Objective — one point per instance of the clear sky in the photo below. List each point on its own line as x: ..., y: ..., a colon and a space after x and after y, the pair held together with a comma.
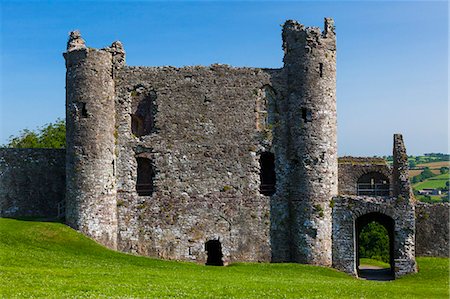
x: 391, y: 68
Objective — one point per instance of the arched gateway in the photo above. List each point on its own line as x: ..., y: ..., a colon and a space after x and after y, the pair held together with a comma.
x: 388, y: 223
x: 352, y: 213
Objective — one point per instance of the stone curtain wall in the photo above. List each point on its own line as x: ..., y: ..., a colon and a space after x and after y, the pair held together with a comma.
x: 210, y: 126
x: 432, y: 229
x: 350, y: 169
x: 32, y: 182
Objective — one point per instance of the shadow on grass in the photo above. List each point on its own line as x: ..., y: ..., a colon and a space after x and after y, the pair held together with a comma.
x: 37, y: 219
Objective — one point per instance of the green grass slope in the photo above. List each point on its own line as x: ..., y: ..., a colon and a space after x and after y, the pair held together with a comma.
x: 49, y: 260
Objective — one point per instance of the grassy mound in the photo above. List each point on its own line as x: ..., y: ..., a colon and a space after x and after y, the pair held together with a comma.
x: 50, y: 260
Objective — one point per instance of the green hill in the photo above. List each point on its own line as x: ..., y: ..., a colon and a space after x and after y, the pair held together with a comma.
x: 50, y: 260
x: 433, y: 182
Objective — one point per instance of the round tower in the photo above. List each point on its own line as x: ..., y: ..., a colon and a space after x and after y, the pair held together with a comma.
x: 90, y: 142
x: 310, y: 70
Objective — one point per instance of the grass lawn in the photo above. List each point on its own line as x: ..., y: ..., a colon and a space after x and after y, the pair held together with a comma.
x: 49, y: 260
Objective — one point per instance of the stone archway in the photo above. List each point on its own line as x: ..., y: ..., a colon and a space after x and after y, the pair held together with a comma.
x: 389, y: 224
x: 351, y: 213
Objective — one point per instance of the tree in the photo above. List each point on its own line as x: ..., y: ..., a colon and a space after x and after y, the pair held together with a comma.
x: 443, y: 170
x: 374, y: 242
x: 412, y: 164
x: 52, y: 135
x: 426, y: 173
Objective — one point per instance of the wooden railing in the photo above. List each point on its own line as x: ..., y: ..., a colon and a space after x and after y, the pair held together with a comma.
x: 373, y: 189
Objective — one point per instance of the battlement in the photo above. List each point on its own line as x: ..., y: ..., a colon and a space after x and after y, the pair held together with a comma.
x: 329, y: 29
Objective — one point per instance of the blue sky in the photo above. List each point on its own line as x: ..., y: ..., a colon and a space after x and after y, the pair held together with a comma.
x: 391, y: 69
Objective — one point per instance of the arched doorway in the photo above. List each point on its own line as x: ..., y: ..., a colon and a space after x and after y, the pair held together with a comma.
x: 214, y: 251
x: 373, y: 232
x: 373, y: 184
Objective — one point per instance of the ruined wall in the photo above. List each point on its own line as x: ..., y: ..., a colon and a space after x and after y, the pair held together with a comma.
x: 432, y: 229
x: 353, y: 168
x: 396, y: 213
x: 208, y: 128
x: 32, y: 182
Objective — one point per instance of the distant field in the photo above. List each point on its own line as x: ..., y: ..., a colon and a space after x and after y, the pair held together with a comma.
x: 434, y: 182
x: 414, y: 172
x: 434, y: 165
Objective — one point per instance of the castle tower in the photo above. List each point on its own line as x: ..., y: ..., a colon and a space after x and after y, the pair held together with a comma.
x: 90, y: 145
x: 310, y: 70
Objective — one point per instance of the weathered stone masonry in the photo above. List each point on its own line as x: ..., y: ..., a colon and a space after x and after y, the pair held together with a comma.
x: 395, y: 211
x: 218, y: 164
x: 203, y: 132
x: 32, y: 182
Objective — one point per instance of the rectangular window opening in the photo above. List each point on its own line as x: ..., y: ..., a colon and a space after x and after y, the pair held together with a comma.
x: 83, y: 110
x: 306, y: 114
x: 145, y: 177
x: 267, y: 174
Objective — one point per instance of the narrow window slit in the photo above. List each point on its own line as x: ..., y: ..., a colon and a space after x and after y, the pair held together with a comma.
x: 83, y: 110
x: 321, y: 69
x: 306, y: 114
x: 267, y: 174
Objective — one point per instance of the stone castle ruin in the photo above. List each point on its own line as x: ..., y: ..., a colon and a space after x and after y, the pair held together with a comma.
x: 218, y: 164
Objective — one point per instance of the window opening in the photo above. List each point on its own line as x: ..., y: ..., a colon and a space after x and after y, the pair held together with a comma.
x: 306, y: 114
x: 373, y: 184
x: 267, y: 174
x: 145, y: 177
x: 82, y: 109
x: 143, y: 119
